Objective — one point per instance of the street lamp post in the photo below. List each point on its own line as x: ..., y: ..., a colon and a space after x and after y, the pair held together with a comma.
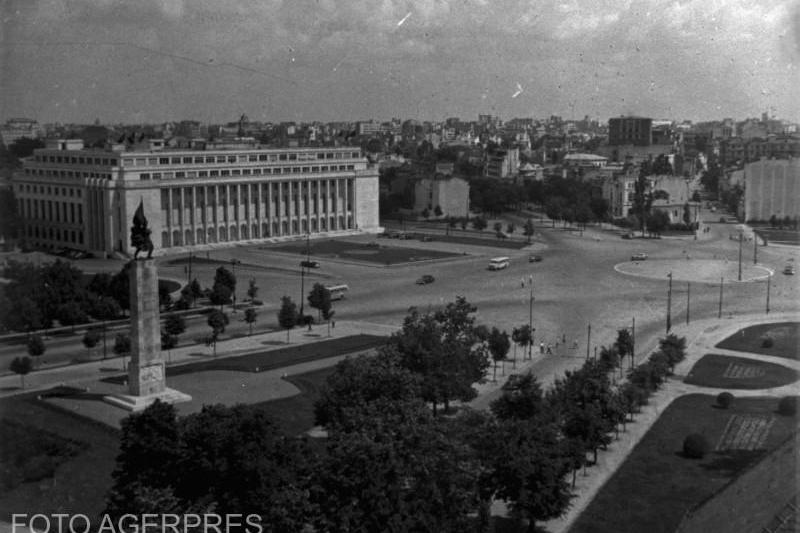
x: 741, y: 236
x: 688, y: 300
x: 234, y: 262
x: 719, y: 314
x: 755, y: 248
x: 303, y: 266
x: 669, y: 303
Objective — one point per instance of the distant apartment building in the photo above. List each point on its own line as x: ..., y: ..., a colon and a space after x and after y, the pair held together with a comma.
x: 630, y: 130
x: 671, y: 194
x: 738, y: 150
x: 85, y: 199
x: 450, y: 194
x: 17, y: 128
x: 772, y: 187
x: 502, y: 163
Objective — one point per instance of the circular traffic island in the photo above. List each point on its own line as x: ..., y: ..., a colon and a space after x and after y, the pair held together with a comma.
x: 727, y: 372
x: 695, y: 270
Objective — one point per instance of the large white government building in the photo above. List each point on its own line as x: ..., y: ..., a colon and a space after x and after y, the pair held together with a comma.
x: 85, y: 199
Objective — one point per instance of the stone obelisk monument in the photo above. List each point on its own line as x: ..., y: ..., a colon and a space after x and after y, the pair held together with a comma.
x: 146, y: 372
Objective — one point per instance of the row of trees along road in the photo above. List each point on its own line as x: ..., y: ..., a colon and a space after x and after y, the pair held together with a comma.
x: 415, y: 471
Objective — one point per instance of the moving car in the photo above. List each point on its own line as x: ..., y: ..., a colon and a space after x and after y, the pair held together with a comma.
x: 534, y: 258
x: 788, y: 270
x: 426, y: 279
x: 641, y: 256
x: 309, y: 264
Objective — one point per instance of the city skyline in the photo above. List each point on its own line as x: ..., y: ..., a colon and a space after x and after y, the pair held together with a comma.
x: 155, y: 61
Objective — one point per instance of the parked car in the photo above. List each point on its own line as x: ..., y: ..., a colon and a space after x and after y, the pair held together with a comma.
x: 534, y: 258
x: 641, y: 256
x: 309, y: 264
x: 627, y: 235
x: 788, y: 270
x: 426, y: 279
x: 405, y: 236
x: 373, y: 244
x: 426, y: 238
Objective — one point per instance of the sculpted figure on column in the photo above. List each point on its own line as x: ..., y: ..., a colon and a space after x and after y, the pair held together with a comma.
x: 140, y: 233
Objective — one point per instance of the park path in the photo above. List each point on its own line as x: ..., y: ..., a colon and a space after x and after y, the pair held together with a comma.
x: 701, y: 337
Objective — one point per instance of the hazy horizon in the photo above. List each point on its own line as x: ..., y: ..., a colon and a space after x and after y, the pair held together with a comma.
x: 160, y: 60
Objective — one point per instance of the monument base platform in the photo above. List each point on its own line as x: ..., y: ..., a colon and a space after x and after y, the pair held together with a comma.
x: 139, y: 403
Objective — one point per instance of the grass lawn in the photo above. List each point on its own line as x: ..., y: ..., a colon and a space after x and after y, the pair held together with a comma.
x: 276, y: 358
x: 79, y: 482
x: 656, y: 485
x: 726, y: 372
x: 785, y: 340
x: 362, y: 252
x: 295, y: 415
x: 489, y: 240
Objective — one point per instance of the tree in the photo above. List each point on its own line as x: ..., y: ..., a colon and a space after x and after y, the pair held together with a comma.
x: 524, y: 336
x: 609, y: 357
x: 527, y: 468
x: 319, y: 298
x: 91, y: 338
x: 624, y: 343
x: 71, y: 313
x: 410, y: 475
x: 498, y: 227
x: 657, y: 222
x: 250, y: 317
x: 168, y: 342
x: 437, y: 210
x: 175, y: 324
x: 498, y: 347
x: 36, y: 347
x: 24, y: 315
x: 327, y: 316
x: 122, y: 346
x: 217, y: 320
x: 105, y: 308
x: 21, y: 366
x: 252, y: 289
x: 522, y: 399
x: 675, y: 349
x: 443, y: 348
x: 287, y: 315
x: 224, y: 287
x: 687, y: 214
x: 359, y: 381
x: 510, y: 228
x: 528, y: 229
x: 463, y: 223
x: 479, y: 223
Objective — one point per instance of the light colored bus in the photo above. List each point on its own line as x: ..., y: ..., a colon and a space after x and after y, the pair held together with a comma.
x: 498, y: 263
x: 337, y: 291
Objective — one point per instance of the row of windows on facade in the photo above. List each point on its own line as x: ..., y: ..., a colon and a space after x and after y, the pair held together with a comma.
x: 72, y: 236
x: 246, y: 232
x: 218, y: 216
x: 243, y: 172
x: 33, y: 209
x: 194, y: 160
x: 46, y: 172
x: 210, y: 195
x: 42, y: 189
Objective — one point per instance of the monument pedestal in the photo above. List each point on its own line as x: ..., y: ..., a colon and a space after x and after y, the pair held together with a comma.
x: 146, y: 373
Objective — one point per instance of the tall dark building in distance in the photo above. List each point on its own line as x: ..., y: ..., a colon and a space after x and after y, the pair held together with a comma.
x: 630, y: 130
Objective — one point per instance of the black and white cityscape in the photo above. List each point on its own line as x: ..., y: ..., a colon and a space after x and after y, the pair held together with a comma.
x: 399, y: 266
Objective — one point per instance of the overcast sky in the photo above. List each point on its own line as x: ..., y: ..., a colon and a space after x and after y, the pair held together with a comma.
x: 211, y: 60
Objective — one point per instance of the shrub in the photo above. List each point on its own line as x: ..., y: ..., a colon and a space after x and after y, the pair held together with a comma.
x: 788, y: 405
x: 695, y: 446
x: 766, y: 342
x: 724, y: 399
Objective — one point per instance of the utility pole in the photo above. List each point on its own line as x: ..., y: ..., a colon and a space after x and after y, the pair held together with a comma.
x: 530, y: 317
x: 755, y: 248
x: 688, y: 299
x: 189, y: 279
x: 633, y: 341
x: 769, y: 279
x: 740, y: 255
x: 669, y: 303
x: 588, y: 340
x: 719, y: 315
x: 234, y: 262
x: 303, y: 275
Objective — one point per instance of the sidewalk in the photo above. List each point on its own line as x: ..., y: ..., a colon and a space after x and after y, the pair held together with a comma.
x: 92, y: 371
x: 701, y: 336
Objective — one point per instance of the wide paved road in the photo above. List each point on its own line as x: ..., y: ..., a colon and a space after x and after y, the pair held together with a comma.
x: 574, y: 286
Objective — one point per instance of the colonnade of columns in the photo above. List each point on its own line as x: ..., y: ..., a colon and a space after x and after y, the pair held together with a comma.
x: 228, y: 212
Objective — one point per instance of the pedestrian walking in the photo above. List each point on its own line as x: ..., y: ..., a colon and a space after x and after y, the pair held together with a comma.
x: 541, y: 347
x: 564, y: 338
x: 575, y: 344
x: 549, y: 349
